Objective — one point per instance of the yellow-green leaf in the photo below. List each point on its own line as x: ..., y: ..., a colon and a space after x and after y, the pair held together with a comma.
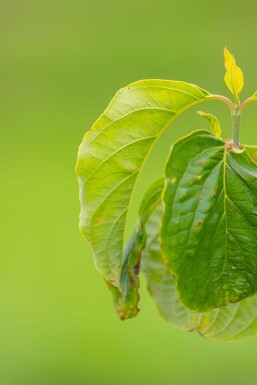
x: 215, y: 124
x: 110, y: 159
x: 234, y: 77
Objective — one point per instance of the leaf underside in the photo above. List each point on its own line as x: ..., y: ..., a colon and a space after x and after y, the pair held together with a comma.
x: 110, y: 158
x: 209, y: 229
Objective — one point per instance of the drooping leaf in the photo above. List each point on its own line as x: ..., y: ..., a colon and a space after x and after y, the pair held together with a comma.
x: 160, y: 281
x: 112, y: 155
x: 127, y: 303
x: 215, y: 124
x: 209, y: 230
x: 231, y: 323
x: 234, y: 78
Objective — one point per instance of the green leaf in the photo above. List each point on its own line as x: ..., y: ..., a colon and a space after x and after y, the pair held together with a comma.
x: 215, y: 124
x: 234, y: 322
x: 161, y: 282
x: 234, y: 77
x: 127, y: 303
x: 209, y: 230
x: 112, y: 155
x: 231, y: 323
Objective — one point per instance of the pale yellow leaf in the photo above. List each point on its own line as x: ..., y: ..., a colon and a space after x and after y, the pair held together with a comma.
x: 234, y: 77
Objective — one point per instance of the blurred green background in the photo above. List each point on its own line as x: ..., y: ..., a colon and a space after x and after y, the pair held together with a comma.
x: 61, y: 61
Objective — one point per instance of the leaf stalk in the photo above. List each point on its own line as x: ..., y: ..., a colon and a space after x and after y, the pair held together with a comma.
x: 247, y: 101
x: 235, y: 110
x: 224, y: 99
x: 236, y: 119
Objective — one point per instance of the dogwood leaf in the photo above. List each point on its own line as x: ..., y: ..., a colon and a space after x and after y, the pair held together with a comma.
x: 230, y: 323
x: 209, y: 230
x: 111, y: 157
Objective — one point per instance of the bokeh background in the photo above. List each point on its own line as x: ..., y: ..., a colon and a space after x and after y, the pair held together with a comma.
x: 61, y: 61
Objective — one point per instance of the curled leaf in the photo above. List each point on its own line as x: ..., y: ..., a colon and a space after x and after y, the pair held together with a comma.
x: 215, y: 124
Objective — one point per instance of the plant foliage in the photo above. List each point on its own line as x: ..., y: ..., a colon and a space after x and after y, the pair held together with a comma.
x: 196, y: 237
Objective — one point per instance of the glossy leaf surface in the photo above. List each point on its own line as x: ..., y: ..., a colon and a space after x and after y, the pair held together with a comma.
x: 231, y: 323
x: 209, y: 230
x: 112, y: 155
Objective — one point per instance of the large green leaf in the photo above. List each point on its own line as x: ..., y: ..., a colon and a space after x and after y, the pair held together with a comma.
x: 209, y: 230
x: 110, y: 158
x: 231, y: 323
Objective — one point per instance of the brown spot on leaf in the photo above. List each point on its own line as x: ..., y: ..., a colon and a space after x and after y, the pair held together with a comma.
x: 201, y: 161
x: 137, y: 267
x: 98, y: 219
x: 133, y: 283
